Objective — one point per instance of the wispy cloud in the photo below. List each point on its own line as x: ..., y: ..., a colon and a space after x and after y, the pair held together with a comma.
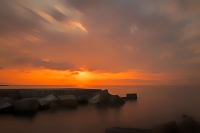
x: 105, y: 36
x: 43, y: 63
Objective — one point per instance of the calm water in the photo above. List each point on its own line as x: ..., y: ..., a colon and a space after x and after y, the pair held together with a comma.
x: 154, y: 106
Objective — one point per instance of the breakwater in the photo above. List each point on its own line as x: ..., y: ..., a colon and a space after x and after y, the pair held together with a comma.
x: 34, y: 93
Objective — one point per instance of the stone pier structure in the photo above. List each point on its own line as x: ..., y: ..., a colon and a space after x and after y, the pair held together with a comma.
x: 36, y: 93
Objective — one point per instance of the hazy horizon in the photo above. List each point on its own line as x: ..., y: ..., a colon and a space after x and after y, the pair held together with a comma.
x: 87, y: 42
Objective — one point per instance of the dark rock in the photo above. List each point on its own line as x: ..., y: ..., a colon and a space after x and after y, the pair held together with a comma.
x: 6, y: 104
x: 86, y: 98
x: 83, y: 99
x: 189, y: 125
x: 100, y: 98
x: 126, y: 130
x: 170, y: 127
x: 6, y: 107
x: 26, y: 105
x: 67, y: 100
x: 115, y: 99
x: 131, y: 96
x: 105, y: 94
x: 80, y: 99
x: 97, y: 99
x: 6, y: 100
x: 46, y: 101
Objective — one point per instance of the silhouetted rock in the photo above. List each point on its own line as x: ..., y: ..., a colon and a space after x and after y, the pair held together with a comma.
x: 100, y: 98
x: 83, y: 99
x: 6, y: 104
x: 126, y: 130
x: 189, y: 125
x: 6, y: 100
x: 170, y: 127
x: 46, y: 101
x: 6, y: 107
x: 26, y: 105
x: 67, y: 100
x: 97, y: 99
x: 106, y: 95
x: 131, y: 96
x: 115, y: 99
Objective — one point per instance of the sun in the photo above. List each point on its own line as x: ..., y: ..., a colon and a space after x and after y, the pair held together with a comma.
x: 83, y: 76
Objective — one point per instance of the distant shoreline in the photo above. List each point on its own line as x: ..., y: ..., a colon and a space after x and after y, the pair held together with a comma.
x: 4, y: 85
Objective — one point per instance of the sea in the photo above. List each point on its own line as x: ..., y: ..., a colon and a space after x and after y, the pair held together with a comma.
x: 155, y: 105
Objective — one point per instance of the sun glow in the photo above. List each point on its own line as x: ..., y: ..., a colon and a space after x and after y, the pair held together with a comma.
x: 83, y: 76
x: 80, y: 77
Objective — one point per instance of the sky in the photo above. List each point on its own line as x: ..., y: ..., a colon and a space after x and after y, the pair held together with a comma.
x: 100, y: 42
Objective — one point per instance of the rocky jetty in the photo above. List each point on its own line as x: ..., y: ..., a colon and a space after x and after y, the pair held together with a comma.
x: 54, y: 99
x: 33, y: 93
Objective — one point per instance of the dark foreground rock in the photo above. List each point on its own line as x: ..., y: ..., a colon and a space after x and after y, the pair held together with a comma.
x: 6, y: 104
x: 126, y: 130
x: 189, y: 125
x: 67, y: 100
x: 46, y: 101
x: 170, y: 127
x: 184, y: 116
x: 26, y: 105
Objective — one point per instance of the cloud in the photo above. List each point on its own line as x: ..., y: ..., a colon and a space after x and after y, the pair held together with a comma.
x: 194, y: 60
x: 15, y: 22
x: 1, y: 68
x: 34, y: 62
x: 57, y: 15
x: 114, y: 36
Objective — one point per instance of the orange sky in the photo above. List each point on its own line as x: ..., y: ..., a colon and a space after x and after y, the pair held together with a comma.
x: 75, y: 42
